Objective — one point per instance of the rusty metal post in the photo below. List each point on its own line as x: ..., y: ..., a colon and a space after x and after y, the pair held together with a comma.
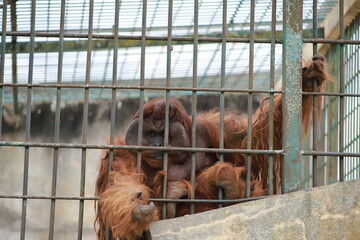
x: 292, y: 53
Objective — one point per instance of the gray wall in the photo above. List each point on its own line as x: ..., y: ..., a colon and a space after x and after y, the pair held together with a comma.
x: 323, y: 213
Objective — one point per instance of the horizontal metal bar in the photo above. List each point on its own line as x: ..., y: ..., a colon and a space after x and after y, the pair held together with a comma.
x: 86, y: 86
x: 330, y: 41
x: 186, y: 27
x: 335, y: 154
x: 128, y: 37
x: 130, y: 147
x: 208, y: 200
x: 47, y: 197
x: 332, y: 94
x: 26, y: 85
x: 38, y: 197
x: 185, y: 39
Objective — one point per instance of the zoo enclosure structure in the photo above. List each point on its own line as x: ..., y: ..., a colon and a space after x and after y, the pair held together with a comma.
x: 86, y: 50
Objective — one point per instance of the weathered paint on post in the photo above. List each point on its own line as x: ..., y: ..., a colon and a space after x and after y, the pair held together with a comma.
x: 292, y: 54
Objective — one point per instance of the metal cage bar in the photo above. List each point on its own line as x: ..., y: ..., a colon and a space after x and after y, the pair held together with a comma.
x: 182, y: 39
x: 167, y: 105
x: 341, y: 81
x: 126, y: 87
x: 129, y: 147
x: 142, y: 81
x: 85, y: 119
x: 351, y: 85
x: 250, y: 97
x: 14, y: 55
x: 165, y: 200
x: 271, y: 97
x: 28, y: 119
x: 315, y: 103
x: 113, y: 96
x: 57, y: 120
x: 2, y: 60
x: 194, y: 102
x: 292, y: 53
x: 222, y: 85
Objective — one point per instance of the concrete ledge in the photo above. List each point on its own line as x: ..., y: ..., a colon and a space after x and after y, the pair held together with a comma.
x: 329, y: 212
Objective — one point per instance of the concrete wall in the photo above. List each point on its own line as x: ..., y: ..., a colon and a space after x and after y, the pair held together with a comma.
x: 331, y: 23
x: 323, y: 213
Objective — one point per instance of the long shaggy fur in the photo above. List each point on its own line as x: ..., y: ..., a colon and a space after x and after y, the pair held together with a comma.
x: 225, y: 176
x: 235, y: 127
x: 118, y: 189
x: 119, y: 202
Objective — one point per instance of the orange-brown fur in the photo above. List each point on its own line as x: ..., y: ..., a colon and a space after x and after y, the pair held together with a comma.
x: 235, y: 127
x: 118, y: 202
x: 225, y: 176
x: 118, y: 188
x: 115, y: 189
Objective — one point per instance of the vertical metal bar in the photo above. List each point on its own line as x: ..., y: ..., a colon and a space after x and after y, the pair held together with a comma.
x: 350, y: 108
x: 315, y: 103
x: 47, y: 53
x: 333, y: 126
x: 292, y: 53
x: 356, y: 100
x: 114, y: 79
x: 326, y: 139
x: 250, y: 97
x: 351, y: 82
x: 194, y: 101
x: 113, y: 95
x: 222, y: 85
x: 168, y: 78
x: 2, y: 58
x: 28, y: 118
x: 346, y: 113
x: 142, y: 80
x: 330, y: 162
x: 353, y: 109
x: 342, y: 102
x: 14, y: 55
x: 85, y: 119
x: 353, y: 100
x: 57, y: 119
x: 348, y: 61
x: 271, y: 112
x: 223, y: 75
